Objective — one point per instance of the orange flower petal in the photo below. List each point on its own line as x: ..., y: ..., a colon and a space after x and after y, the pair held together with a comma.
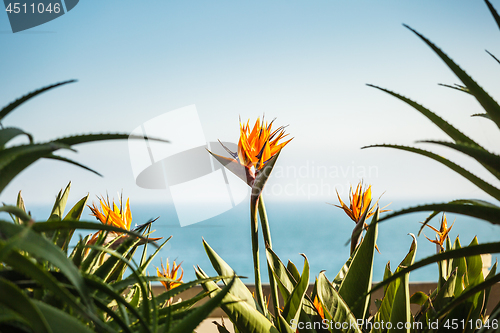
x: 258, y: 145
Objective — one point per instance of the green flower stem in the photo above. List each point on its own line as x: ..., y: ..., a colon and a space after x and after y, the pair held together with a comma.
x: 267, y: 240
x: 255, y: 249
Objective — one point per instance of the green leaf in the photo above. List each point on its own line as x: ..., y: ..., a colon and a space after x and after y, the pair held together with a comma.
x: 67, y: 160
x: 311, y: 318
x: 42, y: 248
x: 220, y: 328
x: 474, y: 266
x: 449, y: 129
x: 59, y: 321
x: 9, y: 108
x: 146, y: 303
x: 456, y: 253
x: 105, y: 289
x: 419, y: 298
x: 15, y: 299
x: 487, y: 102
x: 485, y: 186
x: 105, y: 270
x: 400, y: 309
x: 21, y: 206
x: 242, y: 315
x: 490, y: 160
x: 493, y: 12
x: 387, y: 273
x: 494, y: 315
x: 58, y: 211
x: 114, y: 318
x: 490, y: 275
x: 283, y: 325
x: 17, y: 153
x: 85, y: 225
x: 60, y: 204
x: 91, y: 255
x: 16, y: 159
x: 294, y: 303
x: 136, y: 298
x: 121, y: 285
x: 78, y: 252
x: 286, y: 281
x: 385, y: 309
x: 342, y: 273
x: 473, y: 202
x: 182, y: 305
x: 235, y: 167
x: 262, y: 175
x: 446, y: 292
x: 358, y: 279
x: 25, y: 266
x: 468, y: 293
x: 65, y: 235
x: 121, y: 267
x: 460, y: 264
x: 266, y: 233
x: 222, y: 268
x: 6, y: 248
x: 9, y: 316
x: 336, y: 308
x: 9, y: 133
x: 18, y: 212
x: 483, y: 115
x: 487, y: 213
x: 456, y: 87
x: 93, y: 137
x: 290, y: 266
x: 143, y: 266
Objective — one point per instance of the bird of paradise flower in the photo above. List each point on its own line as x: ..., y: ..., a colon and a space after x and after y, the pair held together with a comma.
x: 258, y: 149
x: 359, y: 210
x: 111, y: 214
x: 172, y: 275
x: 442, y: 233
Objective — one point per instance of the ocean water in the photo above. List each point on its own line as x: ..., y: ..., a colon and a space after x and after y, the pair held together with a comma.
x: 316, y: 229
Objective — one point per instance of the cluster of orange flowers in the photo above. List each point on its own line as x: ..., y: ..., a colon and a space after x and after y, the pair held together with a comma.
x: 170, y: 273
x: 256, y: 146
x: 359, y: 206
x: 259, y: 145
x: 121, y: 217
x: 111, y: 214
x: 442, y: 233
x: 359, y: 203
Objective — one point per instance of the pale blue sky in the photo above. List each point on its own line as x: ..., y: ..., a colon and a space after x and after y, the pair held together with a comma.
x: 305, y: 63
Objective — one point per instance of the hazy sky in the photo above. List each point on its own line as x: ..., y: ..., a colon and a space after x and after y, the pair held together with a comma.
x: 304, y: 62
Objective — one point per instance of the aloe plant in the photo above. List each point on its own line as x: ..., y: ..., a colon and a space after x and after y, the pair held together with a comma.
x: 45, y: 290
x: 14, y: 159
x: 99, y: 286
x: 453, y: 283
x: 460, y: 142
